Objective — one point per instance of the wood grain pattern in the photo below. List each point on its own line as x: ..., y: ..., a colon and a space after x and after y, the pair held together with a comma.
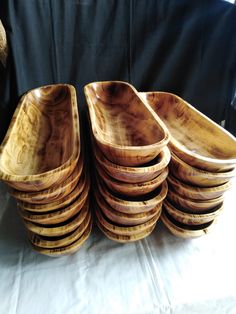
x: 126, y: 129
x: 134, y: 205
x: 42, y: 145
x: 191, y: 175
x: 194, y: 137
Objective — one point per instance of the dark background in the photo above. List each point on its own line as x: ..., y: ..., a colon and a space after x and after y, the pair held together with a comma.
x: 186, y: 47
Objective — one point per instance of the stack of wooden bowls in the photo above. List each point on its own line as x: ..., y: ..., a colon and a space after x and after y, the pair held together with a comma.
x: 203, y: 160
x: 131, y: 158
x: 42, y: 162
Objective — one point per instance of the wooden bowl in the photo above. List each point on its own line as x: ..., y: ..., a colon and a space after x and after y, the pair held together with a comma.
x: 131, y: 189
x: 123, y: 218
x: 191, y: 205
x: 126, y: 129
x: 191, y: 175
x: 136, y: 174
x: 197, y: 193
x: 62, y: 228
x: 56, y: 193
x: 66, y: 250
x: 60, y: 215
x: 42, y: 145
x: 183, y: 230
x: 194, y: 137
x: 180, y: 215
x: 68, y: 199
x: 60, y: 241
x: 134, y: 205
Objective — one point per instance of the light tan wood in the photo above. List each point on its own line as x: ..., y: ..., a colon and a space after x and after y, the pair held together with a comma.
x: 60, y: 241
x: 60, y: 215
x: 42, y: 145
x: 186, y: 231
x: 191, y: 175
x: 197, y: 193
x: 124, y: 230
x: 134, y: 205
x: 57, y: 204
x: 186, y: 218
x: 62, y: 228
x: 126, y: 129
x: 123, y: 218
x: 66, y: 250
x: 191, y: 205
x: 136, y: 174
x: 56, y: 193
x: 131, y: 189
x: 194, y: 137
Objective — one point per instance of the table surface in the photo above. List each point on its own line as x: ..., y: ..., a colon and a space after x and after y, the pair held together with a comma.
x: 160, y: 274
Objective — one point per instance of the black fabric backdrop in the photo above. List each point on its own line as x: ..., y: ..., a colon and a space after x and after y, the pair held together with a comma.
x: 186, y: 47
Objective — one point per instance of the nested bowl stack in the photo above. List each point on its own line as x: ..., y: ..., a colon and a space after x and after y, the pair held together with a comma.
x: 131, y: 158
x: 41, y: 161
x: 203, y: 160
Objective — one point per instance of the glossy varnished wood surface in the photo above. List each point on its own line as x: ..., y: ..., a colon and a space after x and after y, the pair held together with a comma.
x: 127, y: 132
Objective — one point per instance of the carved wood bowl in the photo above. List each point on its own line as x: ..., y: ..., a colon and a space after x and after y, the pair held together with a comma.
x: 131, y: 189
x: 42, y: 145
x: 180, y: 215
x: 134, y: 205
x: 195, y: 192
x: 55, y: 193
x: 185, y: 231
x: 191, y: 205
x: 195, y: 176
x: 194, y: 137
x: 121, y: 218
x: 125, y: 128
x: 136, y: 174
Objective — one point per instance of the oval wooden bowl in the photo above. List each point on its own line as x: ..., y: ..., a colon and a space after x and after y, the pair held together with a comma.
x: 60, y: 215
x: 134, y: 205
x: 42, y: 145
x: 124, y: 230
x: 57, y: 204
x: 62, y: 228
x: 180, y: 215
x: 191, y: 175
x: 191, y: 205
x: 124, y: 238
x: 136, y: 174
x: 197, y: 193
x: 185, y: 231
x: 60, y: 241
x: 126, y: 129
x: 132, y: 189
x: 66, y: 250
x: 123, y: 218
x: 56, y: 193
x: 189, y: 130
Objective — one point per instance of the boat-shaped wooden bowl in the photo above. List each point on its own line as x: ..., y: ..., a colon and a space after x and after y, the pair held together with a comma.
x: 125, y: 128
x: 138, y: 174
x: 123, y: 218
x: 56, y: 193
x: 194, y: 176
x: 62, y: 228
x: 191, y: 205
x: 195, y: 138
x: 195, y: 192
x: 134, y: 205
x: 185, y: 231
x: 42, y: 145
x: 68, y: 249
x: 131, y: 189
x: 180, y: 215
